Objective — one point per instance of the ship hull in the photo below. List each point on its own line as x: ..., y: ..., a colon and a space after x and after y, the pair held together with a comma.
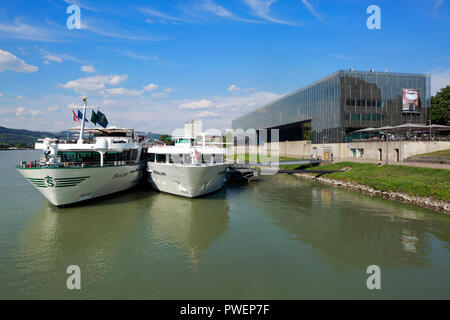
x: 65, y: 186
x: 186, y: 180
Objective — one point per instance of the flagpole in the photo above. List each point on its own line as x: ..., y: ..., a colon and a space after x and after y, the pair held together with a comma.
x: 80, y: 140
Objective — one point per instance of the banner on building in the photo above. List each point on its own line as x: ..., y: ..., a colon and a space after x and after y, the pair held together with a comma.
x: 411, y: 100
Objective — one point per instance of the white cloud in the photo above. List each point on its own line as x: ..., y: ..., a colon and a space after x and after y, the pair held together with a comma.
x: 141, y: 57
x: 93, y: 83
x: 108, y: 32
x: 198, y: 104
x: 169, y: 90
x: 20, y: 111
x: 159, y: 95
x: 89, y: 68
x: 53, y: 108
x: 1, y: 94
x: 261, y: 8
x: 5, y: 111
x: 122, y: 92
x: 159, y: 14
x: 19, y: 30
x: 150, y: 87
x: 208, y: 114
x: 8, y: 61
x: 53, y: 58
x: 313, y: 11
x: 244, y: 103
x: 140, y: 112
x: 440, y: 78
x: 234, y: 88
x: 218, y: 10
x: 80, y: 4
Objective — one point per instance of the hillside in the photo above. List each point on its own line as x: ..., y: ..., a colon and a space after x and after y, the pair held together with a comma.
x: 22, y: 138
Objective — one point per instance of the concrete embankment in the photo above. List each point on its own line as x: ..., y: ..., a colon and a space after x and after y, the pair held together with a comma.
x: 427, y: 202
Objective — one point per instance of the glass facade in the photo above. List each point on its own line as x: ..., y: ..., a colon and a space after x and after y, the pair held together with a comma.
x: 343, y: 102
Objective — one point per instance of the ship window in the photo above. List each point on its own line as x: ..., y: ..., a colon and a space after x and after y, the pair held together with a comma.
x: 161, y: 158
x: 72, y: 156
x: 175, y: 158
x: 112, y: 156
x: 129, y: 155
x: 68, y: 156
x: 151, y: 157
x: 206, y: 158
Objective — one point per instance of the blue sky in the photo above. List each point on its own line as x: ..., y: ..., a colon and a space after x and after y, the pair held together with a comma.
x: 155, y: 64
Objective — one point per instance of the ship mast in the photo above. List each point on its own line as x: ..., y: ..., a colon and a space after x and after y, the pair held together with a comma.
x: 81, y: 138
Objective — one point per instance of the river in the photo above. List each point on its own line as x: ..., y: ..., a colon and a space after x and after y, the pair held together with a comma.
x: 279, y: 238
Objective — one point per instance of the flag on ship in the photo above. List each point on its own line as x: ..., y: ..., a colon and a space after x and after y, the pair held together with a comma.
x: 94, y: 117
x: 80, y: 116
x: 75, y: 117
x: 102, y: 121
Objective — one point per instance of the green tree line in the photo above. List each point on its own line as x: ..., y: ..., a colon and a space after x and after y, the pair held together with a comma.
x: 440, y: 107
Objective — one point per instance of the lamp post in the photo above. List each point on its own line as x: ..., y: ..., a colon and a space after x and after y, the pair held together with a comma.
x: 387, y: 148
x: 429, y: 123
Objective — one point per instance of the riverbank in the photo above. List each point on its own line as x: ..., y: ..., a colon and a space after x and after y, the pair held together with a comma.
x: 426, y: 187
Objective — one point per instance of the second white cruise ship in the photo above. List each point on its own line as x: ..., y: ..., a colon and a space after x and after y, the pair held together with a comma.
x: 186, y: 169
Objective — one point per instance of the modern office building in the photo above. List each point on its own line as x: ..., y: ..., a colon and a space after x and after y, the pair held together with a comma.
x: 329, y: 109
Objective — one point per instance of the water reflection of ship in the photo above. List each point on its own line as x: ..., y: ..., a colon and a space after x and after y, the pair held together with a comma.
x: 75, y: 234
x: 191, y: 225
x: 347, y: 226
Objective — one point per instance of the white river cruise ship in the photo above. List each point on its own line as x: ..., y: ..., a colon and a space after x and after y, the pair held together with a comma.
x: 107, y: 161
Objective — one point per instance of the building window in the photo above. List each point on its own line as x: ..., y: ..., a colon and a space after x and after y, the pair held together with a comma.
x: 161, y: 158
x: 361, y: 152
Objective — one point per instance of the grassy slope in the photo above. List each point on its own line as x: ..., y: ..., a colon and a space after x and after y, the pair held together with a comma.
x: 415, y: 181
x: 442, y: 153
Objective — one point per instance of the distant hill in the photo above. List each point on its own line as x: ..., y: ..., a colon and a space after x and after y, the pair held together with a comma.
x: 22, y: 138
x: 153, y: 135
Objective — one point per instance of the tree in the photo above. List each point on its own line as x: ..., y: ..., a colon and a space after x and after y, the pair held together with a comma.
x: 440, y: 107
x: 166, y: 138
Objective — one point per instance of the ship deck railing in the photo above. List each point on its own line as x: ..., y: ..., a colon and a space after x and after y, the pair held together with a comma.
x: 73, y: 164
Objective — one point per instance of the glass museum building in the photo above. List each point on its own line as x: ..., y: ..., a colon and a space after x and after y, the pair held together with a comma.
x: 330, y: 109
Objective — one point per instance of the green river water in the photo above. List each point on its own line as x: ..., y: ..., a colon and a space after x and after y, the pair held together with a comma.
x: 280, y: 238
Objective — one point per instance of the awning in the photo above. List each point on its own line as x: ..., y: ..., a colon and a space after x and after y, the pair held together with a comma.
x: 407, y: 127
